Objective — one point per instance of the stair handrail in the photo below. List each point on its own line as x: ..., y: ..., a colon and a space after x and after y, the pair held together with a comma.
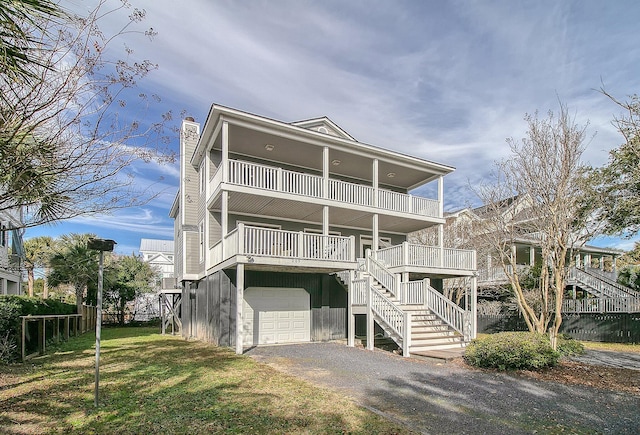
x: 444, y: 308
x: 388, y: 312
x: 389, y: 280
x: 605, y: 279
x: 597, y: 284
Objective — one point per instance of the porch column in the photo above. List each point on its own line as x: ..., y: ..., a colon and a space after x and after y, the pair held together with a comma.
x: 532, y: 255
x: 473, y: 307
x: 440, y: 196
x: 375, y: 182
x: 613, y: 264
x: 325, y: 220
x: 239, y: 302
x: 441, y: 241
x: 224, y: 220
x: 224, y: 161
x: 376, y: 235
x: 602, y: 263
x: 578, y: 260
x: 325, y: 172
x: 587, y: 260
x: 325, y: 227
x: 370, y: 328
x: 351, y: 325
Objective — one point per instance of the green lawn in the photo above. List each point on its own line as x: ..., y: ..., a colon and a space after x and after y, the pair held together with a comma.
x: 161, y: 384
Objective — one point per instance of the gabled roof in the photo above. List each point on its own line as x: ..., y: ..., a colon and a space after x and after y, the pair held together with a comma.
x: 156, y: 245
x: 324, y: 125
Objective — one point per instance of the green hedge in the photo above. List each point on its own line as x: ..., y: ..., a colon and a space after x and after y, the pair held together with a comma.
x: 512, y: 351
x: 11, y: 308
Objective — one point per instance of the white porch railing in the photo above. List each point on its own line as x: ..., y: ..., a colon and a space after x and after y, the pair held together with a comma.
x: 601, y: 305
x: 280, y: 180
x: 359, y: 291
x: 409, y: 254
x: 256, y: 241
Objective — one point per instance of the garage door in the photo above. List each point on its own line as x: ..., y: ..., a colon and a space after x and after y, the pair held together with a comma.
x: 276, y: 315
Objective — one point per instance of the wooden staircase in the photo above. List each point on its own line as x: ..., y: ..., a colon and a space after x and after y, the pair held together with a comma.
x: 428, y: 331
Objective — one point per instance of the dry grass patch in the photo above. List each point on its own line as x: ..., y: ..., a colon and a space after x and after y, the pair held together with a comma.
x: 161, y: 384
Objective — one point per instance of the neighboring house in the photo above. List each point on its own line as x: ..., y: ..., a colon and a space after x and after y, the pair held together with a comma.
x: 591, y: 284
x: 296, y: 232
x: 160, y: 256
x: 11, y: 252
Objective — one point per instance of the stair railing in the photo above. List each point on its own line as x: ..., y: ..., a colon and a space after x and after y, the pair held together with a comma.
x: 389, y: 280
x: 597, y: 284
x: 389, y: 313
x: 609, y: 282
x: 444, y: 308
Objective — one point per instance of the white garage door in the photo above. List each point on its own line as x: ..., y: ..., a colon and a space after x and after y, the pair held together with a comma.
x: 276, y: 315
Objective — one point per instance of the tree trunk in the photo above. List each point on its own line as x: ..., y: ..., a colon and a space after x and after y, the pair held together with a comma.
x: 30, y: 281
x: 45, y: 285
x: 79, y: 300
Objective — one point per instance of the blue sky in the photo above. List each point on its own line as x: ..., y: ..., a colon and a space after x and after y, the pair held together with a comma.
x: 447, y: 81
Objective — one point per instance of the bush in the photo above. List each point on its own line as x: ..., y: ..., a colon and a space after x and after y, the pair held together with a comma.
x: 512, y: 351
x: 12, y: 307
x: 568, y: 346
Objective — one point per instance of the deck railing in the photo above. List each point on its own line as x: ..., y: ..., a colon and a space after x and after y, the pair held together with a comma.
x: 409, y: 254
x: 601, y: 305
x: 257, y: 241
x: 275, y: 179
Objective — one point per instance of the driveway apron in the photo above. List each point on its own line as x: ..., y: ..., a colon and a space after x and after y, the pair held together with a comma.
x: 437, y: 398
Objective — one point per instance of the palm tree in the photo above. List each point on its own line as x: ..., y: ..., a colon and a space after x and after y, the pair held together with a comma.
x: 18, y: 48
x: 37, y: 251
x: 75, y: 264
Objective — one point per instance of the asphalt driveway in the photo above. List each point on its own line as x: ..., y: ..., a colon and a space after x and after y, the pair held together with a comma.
x: 437, y: 398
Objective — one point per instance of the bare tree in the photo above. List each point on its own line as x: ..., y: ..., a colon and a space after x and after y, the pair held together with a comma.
x: 538, y: 194
x: 70, y: 132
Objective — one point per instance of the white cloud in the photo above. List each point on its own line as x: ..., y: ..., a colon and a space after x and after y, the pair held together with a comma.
x: 446, y: 81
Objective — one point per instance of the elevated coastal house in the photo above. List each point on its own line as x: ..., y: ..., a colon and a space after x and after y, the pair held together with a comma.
x: 296, y: 232
x: 11, y: 251
x: 591, y: 284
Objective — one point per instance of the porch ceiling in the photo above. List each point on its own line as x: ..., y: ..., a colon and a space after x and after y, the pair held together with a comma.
x: 269, y: 206
x: 294, y: 152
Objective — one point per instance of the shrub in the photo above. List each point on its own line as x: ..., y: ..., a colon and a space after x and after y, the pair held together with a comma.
x: 512, y: 351
x: 12, y: 307
x: 568, y: 346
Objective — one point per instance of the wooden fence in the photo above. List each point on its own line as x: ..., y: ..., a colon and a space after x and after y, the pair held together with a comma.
x: 53, y: 328
x: 610, y: 327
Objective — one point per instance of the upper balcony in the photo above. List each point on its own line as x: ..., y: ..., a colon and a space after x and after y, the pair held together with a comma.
x: 296, y: 195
